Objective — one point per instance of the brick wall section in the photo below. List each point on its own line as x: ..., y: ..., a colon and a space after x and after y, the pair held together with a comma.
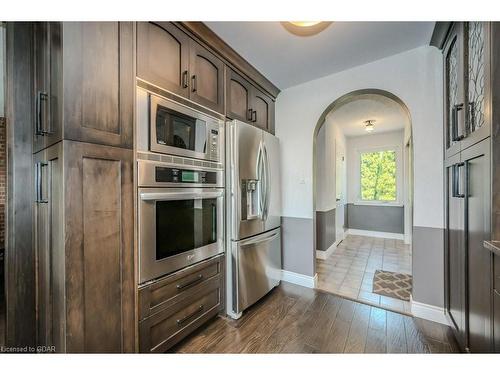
x: 3, y: 180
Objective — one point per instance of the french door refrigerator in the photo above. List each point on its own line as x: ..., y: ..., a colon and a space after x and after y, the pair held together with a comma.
x: 253, y: 216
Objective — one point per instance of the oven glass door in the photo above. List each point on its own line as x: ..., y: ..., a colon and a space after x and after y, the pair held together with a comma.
x: 178, y: 227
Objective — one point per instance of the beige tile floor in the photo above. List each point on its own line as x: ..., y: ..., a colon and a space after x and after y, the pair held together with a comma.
x: 350, y: 268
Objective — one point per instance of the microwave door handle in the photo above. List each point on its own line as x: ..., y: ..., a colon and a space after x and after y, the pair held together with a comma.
x: 179, y: 196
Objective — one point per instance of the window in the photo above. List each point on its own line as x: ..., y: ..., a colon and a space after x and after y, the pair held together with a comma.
x: 378, y: 176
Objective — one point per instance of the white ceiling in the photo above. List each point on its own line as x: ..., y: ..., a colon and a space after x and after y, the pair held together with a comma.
x: 287, y: 60
x: 388, y: 115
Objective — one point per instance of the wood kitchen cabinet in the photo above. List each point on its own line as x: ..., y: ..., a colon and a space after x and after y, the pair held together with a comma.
x: 467, y: 123
x: 467, y: 85
x: 247, y: 103
x: 207, y: 78
x: 163, y: 56
x: 169, y: 59
x: 84, y: 246
x: 456, y: 292
x: 83, y: 83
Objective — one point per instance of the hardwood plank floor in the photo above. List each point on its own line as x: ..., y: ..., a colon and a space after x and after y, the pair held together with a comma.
x: 293, y: 319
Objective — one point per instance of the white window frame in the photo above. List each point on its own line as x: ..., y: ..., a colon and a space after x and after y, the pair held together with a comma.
x: 399, y: 176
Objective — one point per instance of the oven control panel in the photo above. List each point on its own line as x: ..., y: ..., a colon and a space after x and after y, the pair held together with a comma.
x: 185, y: 176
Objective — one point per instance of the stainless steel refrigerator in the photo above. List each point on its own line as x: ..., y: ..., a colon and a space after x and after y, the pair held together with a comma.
x: 253, y: 215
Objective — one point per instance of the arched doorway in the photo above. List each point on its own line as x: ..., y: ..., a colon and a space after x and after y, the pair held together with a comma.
x: 362, y: 197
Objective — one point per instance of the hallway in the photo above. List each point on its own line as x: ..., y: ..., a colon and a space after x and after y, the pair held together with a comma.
x: 350, y: 270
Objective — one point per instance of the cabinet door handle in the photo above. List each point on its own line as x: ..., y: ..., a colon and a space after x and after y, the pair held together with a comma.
x: 38, y: 182
x: 254, y: 116
x: 457, y: 180
x: 185, y: 79
x: 249, y: 115
x: 40, y: 123
x: 190, y: 283
x: 193, y: 83
x: 456, y: 110
x: 189, y: 316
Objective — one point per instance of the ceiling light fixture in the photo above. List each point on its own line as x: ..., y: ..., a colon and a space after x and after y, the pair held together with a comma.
x: 305, y: 28
x: 369, y: 125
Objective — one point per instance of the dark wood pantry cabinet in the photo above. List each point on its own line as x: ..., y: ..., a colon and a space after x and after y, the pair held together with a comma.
x: 469, y: 51
x: 84, y: 244
x: 84, y: 83
x: 83, y: 185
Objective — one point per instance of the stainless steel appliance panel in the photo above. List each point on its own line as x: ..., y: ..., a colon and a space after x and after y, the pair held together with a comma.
x: 146, y: 175
x: 256, y: 268
x: 272, y: 186
x: 186, y: 132
x: 189, y: 215
x: 245, y: 160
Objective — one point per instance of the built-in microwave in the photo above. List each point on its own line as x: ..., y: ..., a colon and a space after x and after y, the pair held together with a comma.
x: 178, y: 130
x: 180, y: 216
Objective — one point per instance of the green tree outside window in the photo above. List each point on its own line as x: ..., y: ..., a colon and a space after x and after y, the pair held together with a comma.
x: 378, y: 176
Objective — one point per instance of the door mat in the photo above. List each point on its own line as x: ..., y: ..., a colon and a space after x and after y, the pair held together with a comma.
x: 392, y: 284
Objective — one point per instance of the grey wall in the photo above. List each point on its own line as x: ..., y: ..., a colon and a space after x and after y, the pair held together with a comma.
x: 428, y: 265
x: 297, y: 244
x: 325, y: 229
x: 375, y: 218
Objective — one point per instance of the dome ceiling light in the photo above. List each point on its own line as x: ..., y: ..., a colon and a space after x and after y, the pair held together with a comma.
x: 369, y: 125
x: 305, y: 28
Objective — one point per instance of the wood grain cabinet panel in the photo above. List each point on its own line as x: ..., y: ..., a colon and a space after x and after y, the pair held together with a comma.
x: 163, y: 56
x: 263, y: 106
x: 207, y: 78
x: 247, y: 103
x: 84, y: 83
x: 238, y: 93
x: 84, y: 231
x: 98, y: 82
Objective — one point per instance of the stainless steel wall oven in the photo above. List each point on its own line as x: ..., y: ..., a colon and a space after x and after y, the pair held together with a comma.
x: 181, y: 216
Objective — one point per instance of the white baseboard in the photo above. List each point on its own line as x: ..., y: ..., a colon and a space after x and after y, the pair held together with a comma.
x: 320, y: 254
x: 369, y: 233
x: 428, y: 312
x: 300, y: 279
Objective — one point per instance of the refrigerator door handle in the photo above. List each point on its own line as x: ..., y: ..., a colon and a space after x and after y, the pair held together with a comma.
x: 259, y: 239
x: 267, y: 179
x: 260, y: 162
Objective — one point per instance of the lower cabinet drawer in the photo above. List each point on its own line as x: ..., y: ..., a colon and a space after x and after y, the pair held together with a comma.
x: 162, y: 330
x: 173, y: 288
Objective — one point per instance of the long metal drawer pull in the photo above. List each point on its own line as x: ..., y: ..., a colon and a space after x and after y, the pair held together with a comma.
x: 190, y: 283
x: 187, y: 317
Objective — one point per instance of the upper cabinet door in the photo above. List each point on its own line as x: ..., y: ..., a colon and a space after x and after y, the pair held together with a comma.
x: 163, y: 56
x: 454, y: 91
x: 476, y: 62
x: 263, y: 111
x: 207, y: 78
x: 238, y: 93
x: 47, y: 128
x: 98, y: 82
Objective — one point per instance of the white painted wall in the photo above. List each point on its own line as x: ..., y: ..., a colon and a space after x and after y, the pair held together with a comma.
x: 415, y: 77
x: 325, y: 151
x: 389, y: 140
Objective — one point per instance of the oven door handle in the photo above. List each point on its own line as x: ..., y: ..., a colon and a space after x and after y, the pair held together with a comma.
x: 179, y: 196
